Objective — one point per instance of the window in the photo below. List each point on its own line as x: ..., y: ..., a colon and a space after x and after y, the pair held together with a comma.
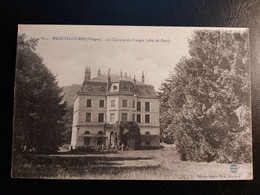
x: 124, y: 117
x: 115, y: 87
x: 101, y: 103
x: 113, y: 103
x: 133, y: 104
x: 124, y: 103
x: 88, y: 103
x: 133, y: 117
x: 88, y: 117
x: 112, y: 117
x: 147, y: 118
x: 101, y: 117
x: 147, y: 106
x: 138, y: 106
x: 138, y: 118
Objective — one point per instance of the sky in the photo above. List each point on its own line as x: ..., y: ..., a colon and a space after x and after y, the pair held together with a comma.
x: 132, y: 49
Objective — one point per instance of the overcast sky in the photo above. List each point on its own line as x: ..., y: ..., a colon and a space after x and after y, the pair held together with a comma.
x: 67, y: 59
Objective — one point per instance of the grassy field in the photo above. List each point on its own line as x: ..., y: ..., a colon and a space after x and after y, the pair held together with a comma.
x: 160, y: 164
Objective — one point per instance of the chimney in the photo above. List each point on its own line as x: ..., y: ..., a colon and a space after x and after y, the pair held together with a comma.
x: 87, y: 74
x: 134, y: 80
x: 143, y: 76
x: 99, y: 72
x: 108, y: 80
x: 108, y: 74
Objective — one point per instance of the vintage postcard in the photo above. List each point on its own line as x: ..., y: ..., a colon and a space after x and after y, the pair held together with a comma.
x: 132, y: 103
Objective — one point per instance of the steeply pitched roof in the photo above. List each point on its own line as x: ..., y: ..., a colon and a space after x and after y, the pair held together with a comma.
x: 114, y: 78
x: 146, y: 91
x: 98, y: 86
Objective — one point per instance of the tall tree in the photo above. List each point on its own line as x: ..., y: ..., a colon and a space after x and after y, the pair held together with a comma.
x: 38, y: 109
x: 208, y: 99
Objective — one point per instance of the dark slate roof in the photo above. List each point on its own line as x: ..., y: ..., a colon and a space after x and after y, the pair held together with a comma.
x: 114, y: 78
x: 93, y: 88
x: 146, y: 91
x: 98, y: 85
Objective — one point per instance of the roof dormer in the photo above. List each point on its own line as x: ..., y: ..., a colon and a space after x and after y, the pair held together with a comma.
x: 114, y: 87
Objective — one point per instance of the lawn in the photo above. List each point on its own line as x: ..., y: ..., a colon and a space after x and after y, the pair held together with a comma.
x: 161, y: 164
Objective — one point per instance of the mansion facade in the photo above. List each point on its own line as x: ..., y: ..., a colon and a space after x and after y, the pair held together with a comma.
x: 104, y: 100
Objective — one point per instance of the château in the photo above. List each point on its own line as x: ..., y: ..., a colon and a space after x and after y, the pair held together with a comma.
x: 106, y: 99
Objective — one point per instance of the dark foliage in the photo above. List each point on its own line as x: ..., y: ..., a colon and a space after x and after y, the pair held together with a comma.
x: 206, y: 101
x: 38, y: 110
x: 130, y: 128
x: 67, y: 120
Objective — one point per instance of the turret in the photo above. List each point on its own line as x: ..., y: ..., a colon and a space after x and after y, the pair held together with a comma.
x: 108, y: 80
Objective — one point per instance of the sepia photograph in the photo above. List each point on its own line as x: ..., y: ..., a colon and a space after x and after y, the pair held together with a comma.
x: 132, y: 103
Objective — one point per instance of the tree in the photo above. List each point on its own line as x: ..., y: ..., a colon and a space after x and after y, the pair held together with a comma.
x: 67, y: 120
x: 38, y: 110
x: 208, y: 99
x: 131, y: 129
x: 165, y: 117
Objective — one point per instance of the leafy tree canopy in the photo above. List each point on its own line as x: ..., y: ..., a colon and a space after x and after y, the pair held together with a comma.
x: 38, y: 110
x: 131, y: 129
x: 205, y: 104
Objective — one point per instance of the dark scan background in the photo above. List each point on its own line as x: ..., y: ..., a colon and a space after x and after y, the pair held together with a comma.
x: 127, y: 12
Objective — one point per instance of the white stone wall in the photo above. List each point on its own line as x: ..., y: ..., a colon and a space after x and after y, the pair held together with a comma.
x: 75, y: 112
x: 119, y: 109
x: 114, y: 110
x: 92, y: 129
x: 75, y: 122
x: 80, y: 109
x: 153, y: 126
x: 151, y: 130
x: 74, y: 136
x: 94, y: 109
